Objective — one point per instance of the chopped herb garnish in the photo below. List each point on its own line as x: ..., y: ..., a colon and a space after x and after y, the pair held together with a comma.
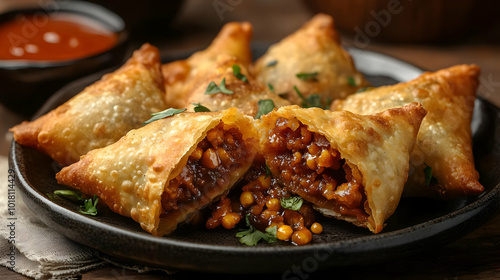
x: 270, y: 87
x: 313, y: 100
x: 69, y: 193
x: 237, y: 73
x: 272, y: 63
x: 200, y: 108
x: 268, y: 171
x: 253, y: 236
x: 363, y: 89
x: 308, y: 76
x: 428, y: 175
x: 213, y: 88
x: 89, y: 206
x: 265, y: 106
x: 164, y: 114
x: 292, y: 202
x: 351, y: 82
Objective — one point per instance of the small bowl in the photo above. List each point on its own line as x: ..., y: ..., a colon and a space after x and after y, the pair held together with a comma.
x: 26, y: 84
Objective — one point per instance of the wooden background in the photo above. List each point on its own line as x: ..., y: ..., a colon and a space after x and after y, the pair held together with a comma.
x: 475, y: 256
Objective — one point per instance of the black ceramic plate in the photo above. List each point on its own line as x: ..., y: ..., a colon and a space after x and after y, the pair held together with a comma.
x: 417, y: 224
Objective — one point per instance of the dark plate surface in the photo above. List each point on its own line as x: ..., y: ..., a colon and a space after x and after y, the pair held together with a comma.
x: 416, y: 226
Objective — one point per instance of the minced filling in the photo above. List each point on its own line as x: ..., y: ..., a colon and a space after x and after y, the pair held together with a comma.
x: 259, y: 201
x: 310, y: 167
x: 208, y: 168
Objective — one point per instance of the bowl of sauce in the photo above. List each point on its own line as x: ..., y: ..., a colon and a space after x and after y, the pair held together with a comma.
x: 44, y: 48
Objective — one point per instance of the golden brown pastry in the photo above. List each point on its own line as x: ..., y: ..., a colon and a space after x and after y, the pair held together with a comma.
x: 243, y: 91
x: 100, y: 114
x: 444, y: 141
x: 349, y: 166
x: 163, y: 173
x: 182, y: 76
x: 313, y: 53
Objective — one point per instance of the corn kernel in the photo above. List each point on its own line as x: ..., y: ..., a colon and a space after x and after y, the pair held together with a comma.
x: 316, y: 228
x: 284, y: 232
x: 230, y: 220
x: 302, y: 236
x: 273, y: 204
x: 246, y: 199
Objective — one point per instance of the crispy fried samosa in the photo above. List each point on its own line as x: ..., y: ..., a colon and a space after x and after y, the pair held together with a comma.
x: 182, y: 76
x: 351, y: 167
x: 163, y: 173
x: 443, y: 147
x: 313, y: 60
x: 242, y: 90
x: 100, y: 114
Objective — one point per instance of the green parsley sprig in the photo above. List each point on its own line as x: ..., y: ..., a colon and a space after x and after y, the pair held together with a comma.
x: 292, y: 202
x: 308, y: 76
x: 313, y: 100
x: 163, y: 114
x: 265, y: 106
x: 351, y: 81
x: 89, y: 206
x: 252, y: 236
x: 428, y: 175
x: 200, y: 108
x: 237, y: 73
x: 213, y: 88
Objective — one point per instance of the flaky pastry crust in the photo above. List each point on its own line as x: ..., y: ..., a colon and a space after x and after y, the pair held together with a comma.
x: 131, y: 175
x: 100, y: 114
x: 377, y: 145
x: 314, y: 48
x: 444, y: 140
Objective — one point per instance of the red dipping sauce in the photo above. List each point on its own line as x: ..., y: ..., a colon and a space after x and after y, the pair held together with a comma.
x: 62, y: 36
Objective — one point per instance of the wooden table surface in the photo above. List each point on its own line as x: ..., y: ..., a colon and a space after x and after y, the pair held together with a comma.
x: 475, y: 256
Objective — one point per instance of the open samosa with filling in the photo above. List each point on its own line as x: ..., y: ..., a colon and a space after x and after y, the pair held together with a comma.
x: 349, y: 166
x: 313, y: 61
x: 163, y: 173
x: 100, y: 114
x: 230, y: 85
x: 442, y: 162
x: 182, y: 76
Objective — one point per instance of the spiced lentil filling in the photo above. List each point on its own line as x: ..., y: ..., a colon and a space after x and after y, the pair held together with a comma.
x: 208, y: 169
x: 310, y: 167
x: 258, y: 198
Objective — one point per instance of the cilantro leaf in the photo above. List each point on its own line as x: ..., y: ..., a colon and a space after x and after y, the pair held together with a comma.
x: 212, y: 88
x: 292, y: 202
x: 313, y: 100
x: 308, y: 76
x: 272, y: 63
x: 252, y: 236
x: 270, y: 87
x: 200, y: 108
x: 268, y: 171
x: 89, y: 206
x: 351, y: 81
x: 237, y: 73
x: 363, y: 89
x: 265, y: 106
x: 163, y: 114
x: 428, y: 175
x: 69, y: 193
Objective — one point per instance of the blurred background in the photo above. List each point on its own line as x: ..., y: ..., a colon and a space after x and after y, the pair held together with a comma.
x: 431, y: 34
